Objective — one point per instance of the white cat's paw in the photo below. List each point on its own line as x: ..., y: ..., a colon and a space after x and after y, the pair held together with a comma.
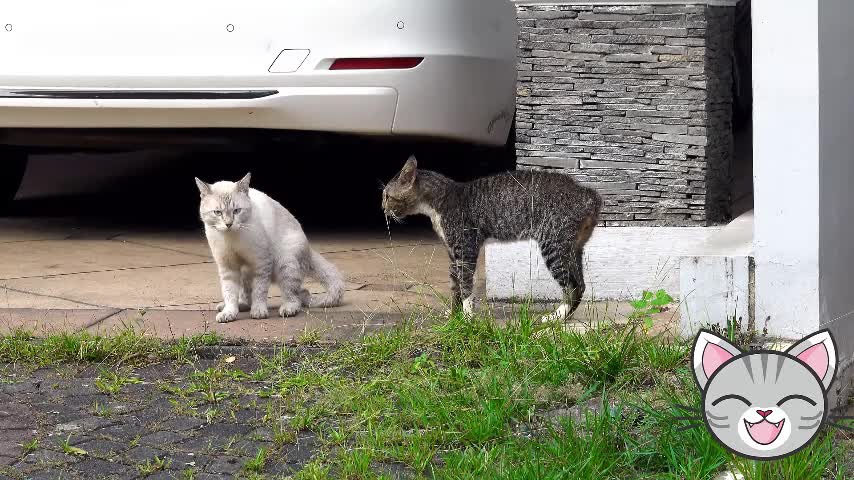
x: 559, y: 315
x: 467, y: 310
x: 259, y: 311
x: 468, y: 307
x: 241, y: 307
x: 226, y: 316
x: 289, y: 309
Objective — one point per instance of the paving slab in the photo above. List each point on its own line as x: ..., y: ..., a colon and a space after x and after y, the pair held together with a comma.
x: 96, y: 279
x: 62, y: 257
x: 171, y: 325
x: 361, y: 311
x: 154, y: 287
x: 194, y: 243
x: 394, y: 267
x: 14, y: 230
x: 10, y: 298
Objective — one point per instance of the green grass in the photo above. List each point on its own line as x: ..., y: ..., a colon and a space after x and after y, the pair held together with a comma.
x: 128, y: 347
x: 256, y: 463
x: 71, y: 450
x: 466, y: 398
x: 153, y: 465
x: 111, y: 383
x: 30, y: 447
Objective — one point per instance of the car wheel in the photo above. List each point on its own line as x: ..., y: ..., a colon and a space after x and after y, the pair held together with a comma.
x: 14, y: 165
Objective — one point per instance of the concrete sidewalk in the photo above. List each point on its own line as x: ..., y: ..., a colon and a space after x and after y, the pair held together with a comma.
x: 58, y: 276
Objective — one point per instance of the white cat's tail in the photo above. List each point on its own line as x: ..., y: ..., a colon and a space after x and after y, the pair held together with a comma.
x: 330, y: 277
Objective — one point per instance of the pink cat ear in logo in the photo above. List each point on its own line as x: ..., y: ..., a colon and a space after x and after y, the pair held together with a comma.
x: 817, y: 358
x: 710, y: 353
x: 818, y: 352
x: 713, y: 357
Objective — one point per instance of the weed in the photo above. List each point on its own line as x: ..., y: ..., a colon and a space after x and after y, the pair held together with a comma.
x: 313, y: 470
x: 356, y: 464
x: 111, y: 383
x: 256, y: 463
x: 156, y: 464
x: 188, y: 474
x: 308, y: 337
x: 648, y: 305
x: 30, y: 447
x: 100, y: 410
x: 69, y: 449
x: 184, y: 349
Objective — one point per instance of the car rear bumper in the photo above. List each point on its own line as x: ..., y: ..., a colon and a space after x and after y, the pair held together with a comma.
x: 269, y: 69
x: 356, y: 110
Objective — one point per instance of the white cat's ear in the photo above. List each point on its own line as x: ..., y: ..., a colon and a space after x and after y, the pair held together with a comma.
x: 818, y: 352
x: 710, y: 353
x: 408, y: 172
x: 204, y: 188
x: 243, y: 184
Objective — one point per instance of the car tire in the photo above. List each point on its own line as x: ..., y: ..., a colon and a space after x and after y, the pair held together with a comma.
x: 14, y: 166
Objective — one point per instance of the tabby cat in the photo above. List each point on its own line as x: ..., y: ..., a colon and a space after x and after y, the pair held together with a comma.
x: 550, y: 208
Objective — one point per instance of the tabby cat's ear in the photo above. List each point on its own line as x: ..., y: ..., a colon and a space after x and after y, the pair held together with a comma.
x: 818, y: 352
x: 243, y: 184
x: 204, y: 188
x: 408, y: 172
x: 710, y: 353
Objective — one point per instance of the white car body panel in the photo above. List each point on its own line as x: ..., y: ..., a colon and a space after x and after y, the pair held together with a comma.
x: 464, y: 89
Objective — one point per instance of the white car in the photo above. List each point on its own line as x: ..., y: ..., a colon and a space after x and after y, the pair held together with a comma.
x: 92, y: 69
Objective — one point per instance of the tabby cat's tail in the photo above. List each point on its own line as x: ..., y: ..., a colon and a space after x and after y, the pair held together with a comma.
x: 331, y: 278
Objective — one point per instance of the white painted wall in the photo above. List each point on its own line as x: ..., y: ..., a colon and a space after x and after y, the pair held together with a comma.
x: 714, y: 283
x: 836, y: 171
x: 786, y: 164
x: 713, y: 289
x: 619, y: 263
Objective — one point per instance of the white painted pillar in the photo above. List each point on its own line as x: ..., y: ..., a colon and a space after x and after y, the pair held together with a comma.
x: 804, y: 169
x: 786, y: 165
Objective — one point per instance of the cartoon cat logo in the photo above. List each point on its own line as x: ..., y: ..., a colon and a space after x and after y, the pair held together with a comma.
x: 764, y: 405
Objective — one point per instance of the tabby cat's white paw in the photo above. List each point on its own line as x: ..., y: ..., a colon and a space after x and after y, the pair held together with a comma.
x: 241, y: 307
x: 289, y: 309
x: 226, y: 316
x: 559, y: 315
x: 259, y: 311
x: 468, y: 306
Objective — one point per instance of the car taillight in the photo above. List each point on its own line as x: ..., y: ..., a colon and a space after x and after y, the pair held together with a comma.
x: 375, y: 63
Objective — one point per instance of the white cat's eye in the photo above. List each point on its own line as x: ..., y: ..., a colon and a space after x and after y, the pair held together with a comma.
x: 237, y: 210
x: 217, y: 212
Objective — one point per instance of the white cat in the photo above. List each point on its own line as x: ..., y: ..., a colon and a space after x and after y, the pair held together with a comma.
x: 255, y: 241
